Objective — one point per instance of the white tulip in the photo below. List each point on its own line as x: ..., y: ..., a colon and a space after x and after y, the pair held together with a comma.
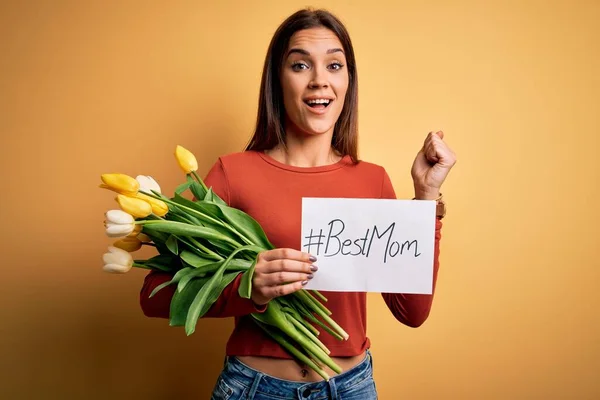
x: 118, y: 223
x: 147, y: 184
x: 117, y: 261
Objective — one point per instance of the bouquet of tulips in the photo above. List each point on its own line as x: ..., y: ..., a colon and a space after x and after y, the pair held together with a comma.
x: 205, y: 244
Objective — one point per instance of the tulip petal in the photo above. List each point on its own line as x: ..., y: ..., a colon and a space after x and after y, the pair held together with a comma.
x: 116, y: 268
x: 119, y: 217
x: 186, y: 160
x: 118, y: 230
x: 135, y: 207
x: 129, y: 244
x: 120, y: 183
x: 147, y: 184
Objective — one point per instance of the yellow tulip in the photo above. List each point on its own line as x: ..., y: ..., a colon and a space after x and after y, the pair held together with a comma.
x: 186, y: 160
x: 159, y: 207
x: 120, y: 183
x: 136, y: 207
x: 129, y: 244
x: 142, y: 237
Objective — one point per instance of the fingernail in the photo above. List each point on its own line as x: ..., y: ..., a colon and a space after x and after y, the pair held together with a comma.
x: 312, y: 258
x: 304, y: 283
x: 314, y: 268
x: 310, y: 276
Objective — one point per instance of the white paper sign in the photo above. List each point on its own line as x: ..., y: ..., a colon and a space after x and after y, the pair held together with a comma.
x: 370, y: 245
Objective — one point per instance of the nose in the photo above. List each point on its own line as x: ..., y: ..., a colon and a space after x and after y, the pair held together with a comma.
x: 318, y: 79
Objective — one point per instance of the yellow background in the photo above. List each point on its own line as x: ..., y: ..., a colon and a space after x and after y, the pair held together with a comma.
x: 93, y: 87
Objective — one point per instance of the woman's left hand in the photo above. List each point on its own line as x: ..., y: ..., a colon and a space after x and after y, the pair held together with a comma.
x: 431, y: 166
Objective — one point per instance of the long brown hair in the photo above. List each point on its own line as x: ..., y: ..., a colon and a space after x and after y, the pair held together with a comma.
x: 270, y: 131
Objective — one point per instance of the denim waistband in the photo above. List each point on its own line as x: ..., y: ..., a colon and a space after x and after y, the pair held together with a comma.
x: 266, y: 384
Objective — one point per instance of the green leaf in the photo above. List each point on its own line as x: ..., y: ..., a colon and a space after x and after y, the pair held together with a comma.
x: 183, y: 187
x: 210, y: 292
x: 179, y: 228
x: 181, y: 301
x: 163, y: 262
x: 245, y: 289
x: 235, y: 265
x: 209, y: 195
x: 196, y: 189
x: 196, y: 273
x: 178, y: 215
x: 194, y: 259
x: 182, y: 272
x: 247, y: 226
x: 219, y: 201
x: 172, y: 244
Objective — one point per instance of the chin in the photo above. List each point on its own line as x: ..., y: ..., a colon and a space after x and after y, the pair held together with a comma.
x: 317, y: 130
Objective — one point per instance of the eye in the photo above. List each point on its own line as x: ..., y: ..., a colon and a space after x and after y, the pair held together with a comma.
x: 336, y: 65
x: 297, y: 66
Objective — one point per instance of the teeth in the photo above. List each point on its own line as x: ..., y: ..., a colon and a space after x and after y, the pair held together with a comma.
x: 318, y: 101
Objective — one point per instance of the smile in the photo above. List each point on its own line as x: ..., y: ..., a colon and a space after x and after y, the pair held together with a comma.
x: 318, y: 106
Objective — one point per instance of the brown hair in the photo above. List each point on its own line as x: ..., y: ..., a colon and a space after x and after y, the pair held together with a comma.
x: 269, y: 131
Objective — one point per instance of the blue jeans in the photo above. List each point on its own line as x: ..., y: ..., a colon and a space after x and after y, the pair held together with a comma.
x: 238, y: 381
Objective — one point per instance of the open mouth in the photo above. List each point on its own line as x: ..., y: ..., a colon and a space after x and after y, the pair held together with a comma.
x: 318, y: 103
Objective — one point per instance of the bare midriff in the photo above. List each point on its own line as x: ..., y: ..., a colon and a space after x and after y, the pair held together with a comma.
x: 293, y: 370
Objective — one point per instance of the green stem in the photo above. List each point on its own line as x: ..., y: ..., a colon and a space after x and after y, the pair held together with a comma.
x: 201, y: 216
x: 208, y: 251
x: 308, y: 314
x: 313, y: 300
x: 188, y: 209
x: 187, y: 230
x: 137, y: 265
x: 319, y: 295
x: 200, y: 181
x: 308, y: 333
x: 294, y: 351
x: 308, y: 300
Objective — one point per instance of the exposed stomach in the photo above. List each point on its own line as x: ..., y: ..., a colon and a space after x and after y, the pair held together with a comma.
x: 293, y: 370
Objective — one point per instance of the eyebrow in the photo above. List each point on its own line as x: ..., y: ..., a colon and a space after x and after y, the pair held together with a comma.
x: 306, y: 53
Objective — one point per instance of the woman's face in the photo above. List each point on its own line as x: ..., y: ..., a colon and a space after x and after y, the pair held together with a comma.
x: 314, y: 80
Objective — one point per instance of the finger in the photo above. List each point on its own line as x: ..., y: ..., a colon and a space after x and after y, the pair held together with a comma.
x: 287, y: 254
x: 282, y: 277
x: 283, y: 290
x: 431, y: 153
x: 288, y: 265
x: 440, y: 134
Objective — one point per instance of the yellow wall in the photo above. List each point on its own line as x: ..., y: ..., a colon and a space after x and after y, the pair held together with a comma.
x: 92, y: 87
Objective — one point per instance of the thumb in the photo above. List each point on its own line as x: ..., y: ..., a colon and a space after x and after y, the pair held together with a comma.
x: 440, y: 134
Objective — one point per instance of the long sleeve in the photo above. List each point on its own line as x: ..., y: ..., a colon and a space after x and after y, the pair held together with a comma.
x: 412, y: 309
x: 229, y: 303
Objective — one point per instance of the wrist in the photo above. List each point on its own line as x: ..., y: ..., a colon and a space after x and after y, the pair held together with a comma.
x: 427, y: 193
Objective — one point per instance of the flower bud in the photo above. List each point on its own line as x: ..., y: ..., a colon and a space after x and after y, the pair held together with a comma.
x: 159, y: 207
x: 117, y: 261
x: 136, y: 207
x: 118, y: 223
x: 186, y: 160
x: 147, y: 184
x: 129, y: 244
x: 120, y: 183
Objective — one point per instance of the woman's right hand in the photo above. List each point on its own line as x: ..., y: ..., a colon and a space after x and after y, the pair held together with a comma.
x: 280, y: 272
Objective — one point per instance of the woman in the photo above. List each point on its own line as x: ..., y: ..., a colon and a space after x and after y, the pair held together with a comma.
x: 304, y: 145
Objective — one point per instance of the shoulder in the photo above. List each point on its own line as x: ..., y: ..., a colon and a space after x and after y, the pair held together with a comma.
x: 237, y: 159
x: 378, y: 177
x: 369, y: 168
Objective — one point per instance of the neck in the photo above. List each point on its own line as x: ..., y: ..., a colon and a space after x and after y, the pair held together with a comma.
x: 306, y: 150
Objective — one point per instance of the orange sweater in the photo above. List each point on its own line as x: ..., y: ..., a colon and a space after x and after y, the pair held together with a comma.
x: 272, y: 192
